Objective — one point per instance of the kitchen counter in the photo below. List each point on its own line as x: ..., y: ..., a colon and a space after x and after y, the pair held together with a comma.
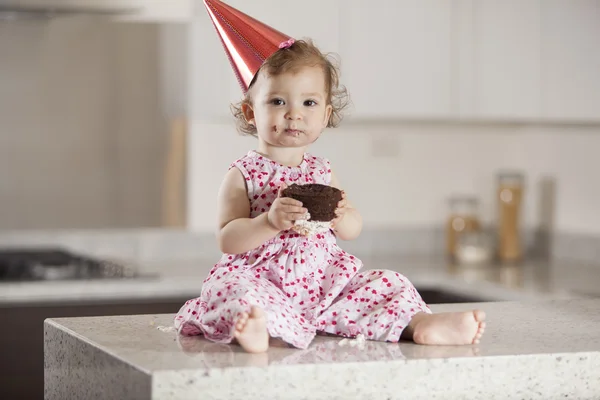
x: 534, y: 280
x: 543, y: 349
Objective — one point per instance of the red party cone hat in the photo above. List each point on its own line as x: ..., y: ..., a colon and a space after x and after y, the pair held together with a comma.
x: 247, y: 41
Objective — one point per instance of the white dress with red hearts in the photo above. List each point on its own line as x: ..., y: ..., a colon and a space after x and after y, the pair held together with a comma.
x: 305, y: 285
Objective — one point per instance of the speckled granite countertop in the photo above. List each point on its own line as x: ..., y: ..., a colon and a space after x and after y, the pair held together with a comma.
x: 183, y: 279
x: 534, y: 349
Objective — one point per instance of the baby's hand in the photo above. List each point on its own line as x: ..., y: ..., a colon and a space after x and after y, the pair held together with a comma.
x: 340, y: 211
x: 285, y: 211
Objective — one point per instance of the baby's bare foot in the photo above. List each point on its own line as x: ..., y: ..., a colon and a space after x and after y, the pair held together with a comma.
x: 457, y: 328
x: 251, y: 331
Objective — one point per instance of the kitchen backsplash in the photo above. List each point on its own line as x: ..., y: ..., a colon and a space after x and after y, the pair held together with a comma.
x: 401, y: 174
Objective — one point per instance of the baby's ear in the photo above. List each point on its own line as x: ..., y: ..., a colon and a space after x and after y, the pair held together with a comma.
x: 328, y: 112
x: 248, y: 112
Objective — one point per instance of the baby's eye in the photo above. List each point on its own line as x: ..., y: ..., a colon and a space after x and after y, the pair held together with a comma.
x: 277, y: 102
x: 310, y: 103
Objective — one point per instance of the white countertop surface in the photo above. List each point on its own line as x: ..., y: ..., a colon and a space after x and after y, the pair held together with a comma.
x: 531, y: 349
x: 176, y: 279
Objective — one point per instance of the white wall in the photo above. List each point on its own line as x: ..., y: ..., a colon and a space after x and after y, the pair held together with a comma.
x: 81, y: 130
x: 432, y: 162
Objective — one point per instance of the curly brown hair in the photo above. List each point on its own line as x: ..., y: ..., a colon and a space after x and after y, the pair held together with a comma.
x: 300, y: 54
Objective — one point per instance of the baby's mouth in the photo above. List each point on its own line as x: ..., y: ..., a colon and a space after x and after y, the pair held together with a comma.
x: 294, y: 132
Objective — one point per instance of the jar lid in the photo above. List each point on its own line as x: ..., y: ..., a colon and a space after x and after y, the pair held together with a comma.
x: 464, y: 205
x: 463, y: 199
x: 511, y: 176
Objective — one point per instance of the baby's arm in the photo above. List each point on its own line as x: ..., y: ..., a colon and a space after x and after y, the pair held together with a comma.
x: 237, y: 232
x: 350, y: 225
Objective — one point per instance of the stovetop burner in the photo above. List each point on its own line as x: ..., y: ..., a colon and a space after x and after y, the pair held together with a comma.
x: 33, y: 264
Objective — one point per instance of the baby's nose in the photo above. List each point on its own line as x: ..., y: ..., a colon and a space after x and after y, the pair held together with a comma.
x: 294, y: 113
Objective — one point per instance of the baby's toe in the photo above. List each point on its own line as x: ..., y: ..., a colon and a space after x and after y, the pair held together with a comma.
x: 479, y: 316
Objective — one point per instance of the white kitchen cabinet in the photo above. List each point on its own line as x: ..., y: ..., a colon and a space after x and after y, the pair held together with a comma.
x: 483, y: 60
x: 163, y: 11
x: 570, y: 55
x: 212, y: 81
x: 397, y: 58
x: 498, y: 59
x: 535, y: 60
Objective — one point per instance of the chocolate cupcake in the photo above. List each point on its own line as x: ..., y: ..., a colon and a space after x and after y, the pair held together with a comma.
x: 321, y: 202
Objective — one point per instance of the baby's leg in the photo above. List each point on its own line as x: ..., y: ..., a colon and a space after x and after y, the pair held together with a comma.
x: 246, y: 309
x: 453, y: 328
x: 384, y: 305
x: 378, y: 304
x: 251, y: 331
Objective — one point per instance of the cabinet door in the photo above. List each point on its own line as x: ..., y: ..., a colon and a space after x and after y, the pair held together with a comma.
x: 162, y: 11
x: 213, y: 83
x: 571, y: 60
x: 498, y: 57
x: 396, y: 58
x: 22, y: 360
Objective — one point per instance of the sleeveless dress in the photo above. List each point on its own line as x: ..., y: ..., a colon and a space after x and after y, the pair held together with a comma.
x: 305, y: 285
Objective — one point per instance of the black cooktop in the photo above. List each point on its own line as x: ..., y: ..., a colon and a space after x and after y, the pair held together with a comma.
x: 44, y: 264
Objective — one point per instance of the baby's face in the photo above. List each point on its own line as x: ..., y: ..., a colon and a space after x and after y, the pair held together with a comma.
x: 290, y: 109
